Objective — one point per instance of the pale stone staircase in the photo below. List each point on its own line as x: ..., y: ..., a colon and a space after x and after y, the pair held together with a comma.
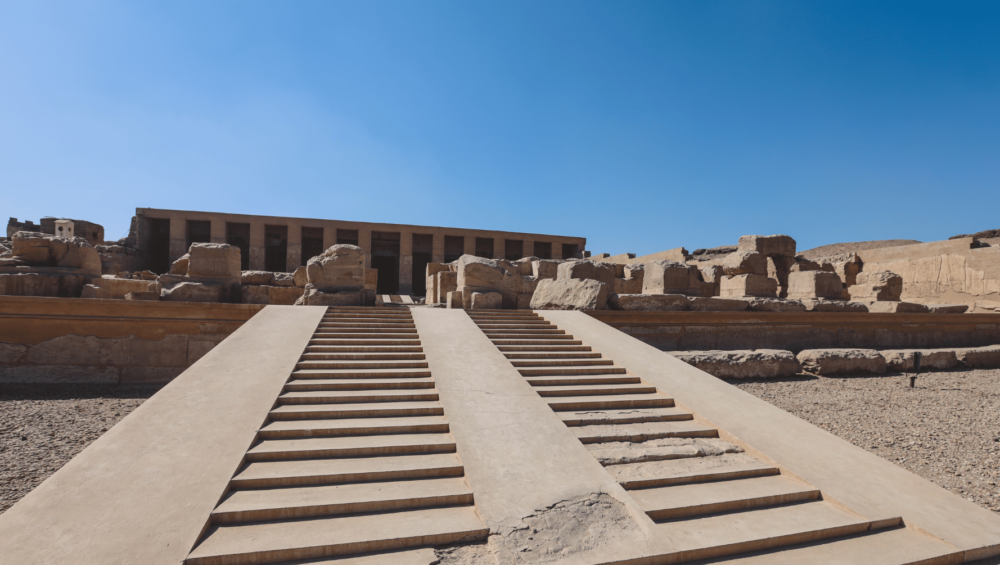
x: 706, y: 495
x: 355, y: 457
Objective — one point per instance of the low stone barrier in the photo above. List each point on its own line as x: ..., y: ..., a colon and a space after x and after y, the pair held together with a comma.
x: 762, y: 363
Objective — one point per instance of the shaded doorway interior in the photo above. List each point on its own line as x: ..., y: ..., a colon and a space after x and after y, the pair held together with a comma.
x: 484, y: 247
x: 238, y: 235
x: 454, y: 247
x: 423, y: 250
x: 385, y: 259
x: 198, y: 231
x: 158, y: 249
x: 276, y: 248
x: 312, y: 243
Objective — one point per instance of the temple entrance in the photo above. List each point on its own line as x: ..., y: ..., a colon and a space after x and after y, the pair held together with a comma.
x: 385, y: 259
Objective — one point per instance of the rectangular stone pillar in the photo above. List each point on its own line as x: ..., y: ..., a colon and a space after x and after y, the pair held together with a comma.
x: 406, y: 262
x: 365, y: 243
x: 257, y: 246
x: 498, y: 248
x: 178, y: 238
x: 470, y: 245
x: 437, y: 255
x: 329, y: 236
x: 293, y: 256
x: 529, y: 247
x: 218, y: 231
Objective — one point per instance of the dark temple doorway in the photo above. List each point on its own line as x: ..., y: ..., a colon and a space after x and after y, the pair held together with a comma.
x: 385, y: 259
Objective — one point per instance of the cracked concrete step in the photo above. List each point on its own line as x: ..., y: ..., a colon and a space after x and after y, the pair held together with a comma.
x: 360, y: 373
x: 689, y: 469
x: 267, y: 474
x: 739, y: 532
x: 895, y: 546
x: 582, y: 380
x: 365, y: 349
x: 354, y: 427
x: 363, y: 356
x: 348, y: 396
x: 595, y: 417
x: 610, y: 402
x: 270, y: 542
x: 350, y: 446
x: 562, y: 362
x: 594, y: 390
x: 358, y: 410
x: 570, y: 370
x: 512, y: 349
x: 314, y: 342
x: 331, y: 500
x: 698, y: 499
x: 357, y: 384
x: 361, y: 364
x: 606, y: 433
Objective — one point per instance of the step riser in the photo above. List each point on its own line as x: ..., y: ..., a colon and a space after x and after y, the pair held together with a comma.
x: 388, y: 412
x: 610, y: 404
x: 316, y: 480
x: 358, y: 386
x: 569, y: 362
x: 504, y: 344
x: 647, y: 437
x: 638, y: 420
x: 360, y: 350
x: 388, y: 356
x: 571, y: 381
x: 732, y: 506
x: 691, y: 479
x: 363, y: 365
x: 594, y: 392
x: 380, y: 451
x: 334, y: 399
x: 572, y: 371
x: 341, y: 509
x: 345, y: 432
x: 359, y: 374
x: 369, y: 342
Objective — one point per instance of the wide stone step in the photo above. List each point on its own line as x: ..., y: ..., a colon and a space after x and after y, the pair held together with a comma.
x: 561, y: 348
x: 596, y: 417
x: 515, y: 327
x: 357, y: 384
x: 348, y: 396
x: 535, y: 338
x: 560, y: 342
x: 369, y: 316
x: 366, y: 323
x: 594, y: 390
x: 520, y: 332
x: 373, y: 336
x: 331, y: 500
x: 267, y: 474
x: 360, y: 373
x: 739, y: 532
x: 562, y: 362
x: 270, y: 542
x: 362, y: 364
x: 371, y: 343
x: 582, y: 380
x: 365, y: 349
x: 699, y: 499
x: 570, y: 370
x: 350, y: 446
x: 689, y: 470
x: 354, y: 427
x: 356, y: 410
x: 583, y: 353
x: 362, y: 356
x: 642, y: 432
x: 610, y: 402
x: 893, y: 546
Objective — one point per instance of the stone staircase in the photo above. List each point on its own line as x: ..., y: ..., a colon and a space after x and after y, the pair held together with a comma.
x: 706, y: 495
x: 355, y: 457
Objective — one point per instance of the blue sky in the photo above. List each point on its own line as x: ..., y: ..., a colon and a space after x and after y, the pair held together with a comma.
x: 639, y: 125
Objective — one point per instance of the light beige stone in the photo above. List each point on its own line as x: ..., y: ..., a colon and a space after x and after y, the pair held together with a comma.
x: 261, y: 278
x: 193, y: 292
x: 769, y: 245
x: 544, y: 268
x: 903, y: 359
x: 570, y: 294
x: 339, y: 268
x: 821, y: 305
x: 883, y: 307
x: 216, y: 261
x: 815, y: 284
x: 671, y: 277
x: 756, y: 364
x: 649, y: 302
x: 877, y: 286
x: 454, y: 299
x: 715, y: 304
x: 979, y: 357
x: 300, y: 277
x: 115, y: 288
x: 748, y: 285
x: 758, y: 304
x: 486, y: 301
x: 447, y: 282
x: 744, y: 262
x: 313, y: 296
x: 180, y: 266
x: 479, y: 273
x: 835, y: 361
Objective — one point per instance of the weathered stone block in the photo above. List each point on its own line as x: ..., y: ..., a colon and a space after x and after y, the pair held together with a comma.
x: 313, y: 296
x: 979, y: 357
x: 947, y: 308
x: 148, y: 295
x: 604, y: 272
x: 821, y: 305
x: 194, y: 292
x: 66, y: 350
x: 300, y: 277
x: 447, y: 283
x: 454, y: 299
x: 339, y: 268
x: 769, y: 245
x: 775, y: 305
x: 544, y: 269
x: 834, y: 361
x: 756, y: 364
x: 815, y: 284
x: 748, y: 285
x: 286, y: 295
x: 215, y: 260
x: 712, y: 304
x: 671, y: 277
x: 570, y: 294
x: 486, y: 301
x: 897, y: 308
x: 180, y: 266
x: 877, y: 286
x: 479, y: 273
x: 115, y: 288
x: 260, y: 278
x: 744, y: 263
x: 649, y: 302
x: 902, y: 359
x: 523, y: 302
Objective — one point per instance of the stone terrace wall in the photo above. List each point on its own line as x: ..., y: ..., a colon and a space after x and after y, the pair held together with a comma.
x: 796, y: 331
x: 65, y: 340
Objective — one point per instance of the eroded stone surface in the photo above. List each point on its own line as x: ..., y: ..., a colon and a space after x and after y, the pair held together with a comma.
x: 622, y: 452
x: 760, y: 363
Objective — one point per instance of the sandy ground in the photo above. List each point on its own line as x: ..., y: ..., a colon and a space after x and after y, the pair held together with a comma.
x: 853, y: 247
x: 947, y: 429
x: 44, y: 426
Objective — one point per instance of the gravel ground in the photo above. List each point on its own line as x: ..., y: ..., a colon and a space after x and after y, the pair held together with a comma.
x: 947, y: 429
x: 44, y: 426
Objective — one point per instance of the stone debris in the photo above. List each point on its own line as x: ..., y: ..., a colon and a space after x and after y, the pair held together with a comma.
x: 757, y: 304
x: 901, y: 360
x: 897, y: 308
x: 571, y: 294
x: 650, y: 302
x: 760, y: 363
x: 821, y: 305
x: 836, y: 361
x: 877, y: 286
x: 947, y: 308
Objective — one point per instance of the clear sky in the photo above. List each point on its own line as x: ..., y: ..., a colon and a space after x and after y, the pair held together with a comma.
x: 640, y: 125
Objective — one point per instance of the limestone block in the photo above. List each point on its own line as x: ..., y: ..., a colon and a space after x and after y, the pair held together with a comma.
x: 66, y: 350
x: 757, y: 304
x: 769, y: 245
x: 604, y: 272
x: 116, y: 288
x: 313, y: 296
x: 147, y: 295
x: 59, y: 374
x: 802, y: 264
x: 947, y: 308
x: 821, y: 305
x: 260, y: 278
x: 149, y: 375
x: 671, y: 277
x: 180, y: 266
x: 744, y: 263
x: 286, y: 295
x: 478, y: 272
x: 877, y: 286
x: 523, y: 302
x: 447, y: 282
x: 570, y: 294
x: 544, y: 268
x: 171, y: 351
x: 42, y: 284
x: 649, y: 302
x: 713, y: 304
x: 814, y: 284
x: 285, y: 280
x: 486, y: 301
x: 756, y: 364
x: 847, y: 269
x: 629, y: 281
x: 371, y: 279
x: 432, y: 281
x: 833, y: 361
x: 254, y: 294
x: 194, y: 292
x: 979, y: 357
x: 748, y: 285
x: 902, y: 359
x: 44, y: 250
x: 215, y: 260
x: 524, y: 266
x: 32, y: 247
x: 300, y: 277
x: 897, y: 308
x: 453, y: 299
x: 712, y: 275
x: 339, y: 268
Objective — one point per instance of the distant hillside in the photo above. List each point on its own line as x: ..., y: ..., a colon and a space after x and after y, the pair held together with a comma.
x: 842, y: 248
x: 988, y: 234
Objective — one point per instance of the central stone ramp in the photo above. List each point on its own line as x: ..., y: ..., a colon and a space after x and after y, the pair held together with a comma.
x: 708, y: 497
x: 355, y: 457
